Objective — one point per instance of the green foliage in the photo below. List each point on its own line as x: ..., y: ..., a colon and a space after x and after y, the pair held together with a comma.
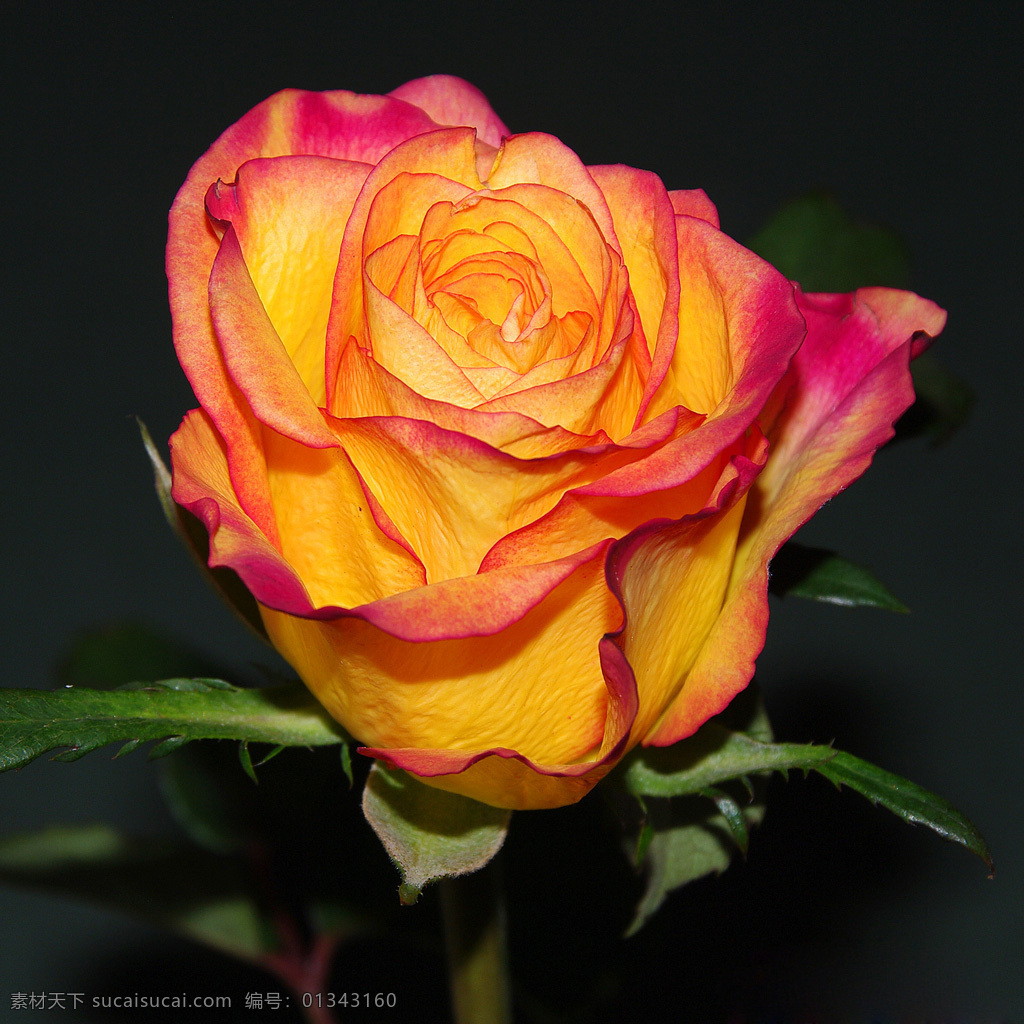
x: 174, y: 885
x: 689, y: 838
x: 690, y: 812
x: 820, y: 575
x: 429, y: 833
x: 905, y: 799
x: 173, y: 711
x: 944, y: 402
x: 713, y: 755
x: 812, y: 240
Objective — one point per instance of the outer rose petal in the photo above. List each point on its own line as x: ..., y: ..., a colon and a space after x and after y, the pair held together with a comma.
x: 451, y: 100
x: 342, y: 125
x: 539, y: 689
x: 289, y: 215
x: 506, y: 778
x: 847, y: 386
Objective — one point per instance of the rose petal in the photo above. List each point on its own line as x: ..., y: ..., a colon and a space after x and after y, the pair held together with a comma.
x: 674, y: 578
x: 451, y: 100
x: 254, y: 354
x: 846, y: 387
x: 331, y: 551
x: 289, y: 215
x: 694, y: 202
x: 738, y: 325
x: 506, y: 778
x: 538, y: 687
x: 446, y: 156
x: 645, y: 226
x: 544, y: 160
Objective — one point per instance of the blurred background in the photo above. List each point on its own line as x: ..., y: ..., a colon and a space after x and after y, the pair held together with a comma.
x: 910, y: 115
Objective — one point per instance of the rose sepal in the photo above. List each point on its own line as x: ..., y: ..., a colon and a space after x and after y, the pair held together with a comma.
x: 430, y: 834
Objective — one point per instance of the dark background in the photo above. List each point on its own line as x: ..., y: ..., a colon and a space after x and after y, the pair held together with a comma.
x: 910, y: 114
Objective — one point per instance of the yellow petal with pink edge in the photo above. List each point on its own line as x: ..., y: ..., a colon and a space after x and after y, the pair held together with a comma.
x: 674, y: 579
x: 370, y: 390
x: 289, y: 215
x: 400, y: 345
x: 451, y: 100
x: 645, y: 225
x: 448, y: 158
x: 738, y: 326
x: 453, y: 497
x: 585, y: 515
x: 203, y: 485
x: 602, y: 397
x: 254, y: 354
x: 537, y: 687
x: 694, y: 202
x: 542, y: 159
x: 341, y: 125
x: 845, y: 389
x: 506, y: 778
x: 331, y: 552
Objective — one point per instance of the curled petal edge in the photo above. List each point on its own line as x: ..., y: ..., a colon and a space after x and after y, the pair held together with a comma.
x: 506, y: 778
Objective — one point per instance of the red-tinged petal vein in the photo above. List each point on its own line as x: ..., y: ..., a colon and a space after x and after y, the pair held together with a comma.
x: 738, y: 326
x: 255, y: 356
x: 450, y: 100
x: 445, y: 154
x: 289, y: 214
x: 694, y: 202
x: 832, y: 424
x: 540, y: 688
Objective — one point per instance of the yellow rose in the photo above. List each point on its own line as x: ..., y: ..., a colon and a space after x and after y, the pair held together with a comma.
x: 502, y: 444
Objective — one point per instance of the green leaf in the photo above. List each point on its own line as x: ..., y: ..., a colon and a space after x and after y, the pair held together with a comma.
x: 681, y: 838
x: 821, y: 575
x: 193, y: 535
x: 812, y: 240
x: 428, y: 832
x: 732, y: 814
x: 906, y: 800
x: 713, y: 755
x: 944, y: 402
x: 174, y: 885
x: 210, y: 798
x: 689, y: 840
x: 173, y: 711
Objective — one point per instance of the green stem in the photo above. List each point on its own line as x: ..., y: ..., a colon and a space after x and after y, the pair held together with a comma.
x: 473, y: 908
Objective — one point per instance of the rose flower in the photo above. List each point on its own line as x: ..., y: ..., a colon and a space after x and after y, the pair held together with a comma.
x: 501, y: 444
